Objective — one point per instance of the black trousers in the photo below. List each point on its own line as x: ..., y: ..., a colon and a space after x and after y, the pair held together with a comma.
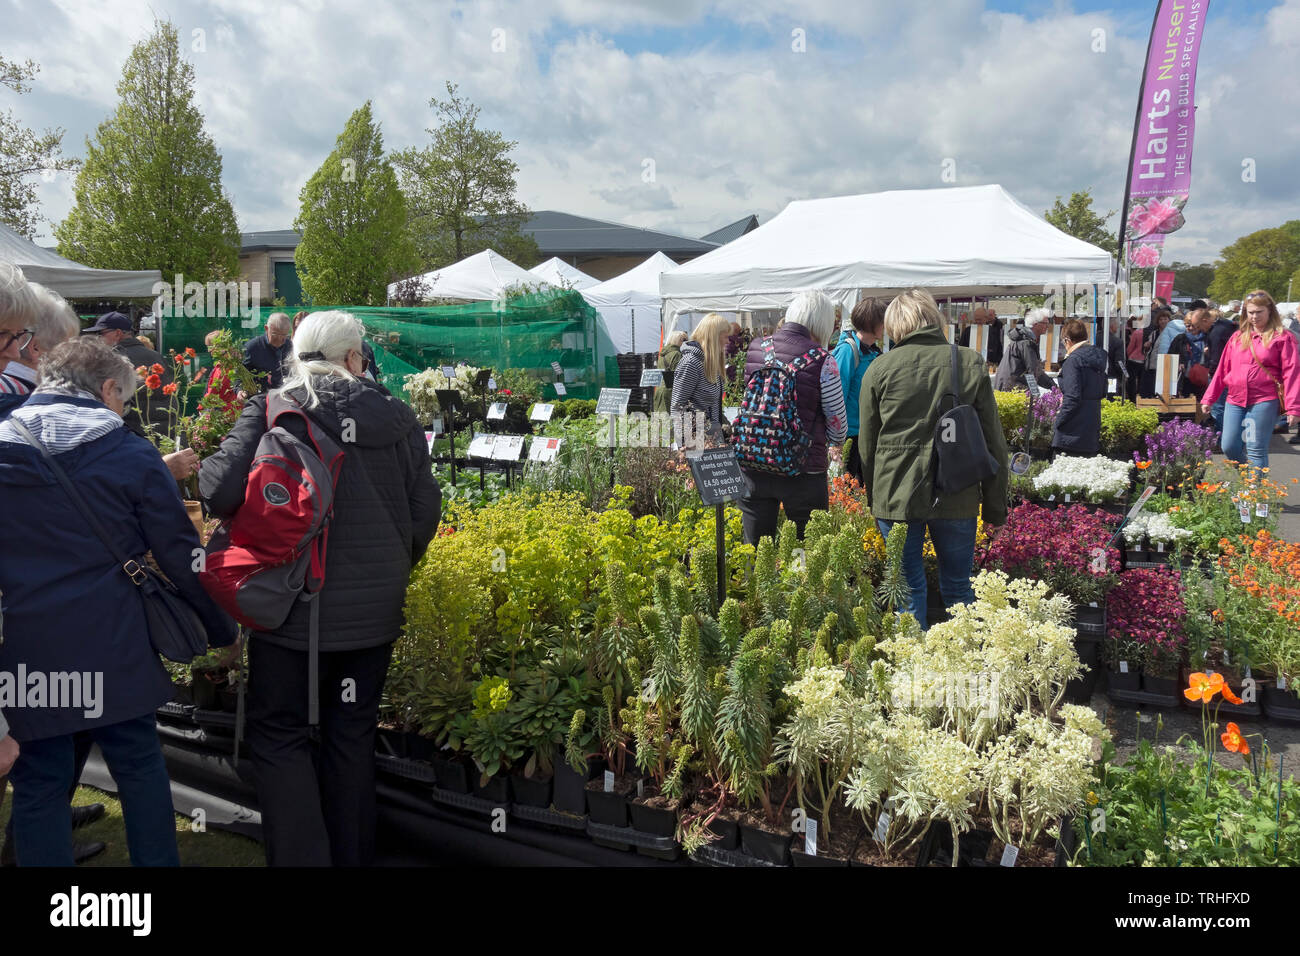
x: 800, y: 494
x: 316, y: 811
x: 81, y: 744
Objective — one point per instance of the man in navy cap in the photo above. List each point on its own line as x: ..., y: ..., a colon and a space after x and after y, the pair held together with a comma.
x: 114, y: 329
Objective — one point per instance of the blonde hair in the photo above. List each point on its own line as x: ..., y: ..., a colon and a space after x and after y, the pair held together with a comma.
x: 1246, y: 326
x: 816, y: 313
x: 910, y: 311
x: 327, y: 337
x: 712, y: 334
x: 675, y: 338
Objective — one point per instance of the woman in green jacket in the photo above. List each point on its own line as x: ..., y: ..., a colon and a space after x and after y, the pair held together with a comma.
x: 669, y: 356
x: 903, y: 394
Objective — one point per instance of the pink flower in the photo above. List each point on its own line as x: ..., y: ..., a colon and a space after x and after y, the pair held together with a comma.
x: 1145, y: 255
x: 1158, y: 215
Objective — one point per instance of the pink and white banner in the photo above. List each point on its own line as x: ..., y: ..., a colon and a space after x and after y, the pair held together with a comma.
x: 1161, y: 177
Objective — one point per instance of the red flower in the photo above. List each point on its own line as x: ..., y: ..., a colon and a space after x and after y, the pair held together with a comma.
x: 170, y: 389
x: 157, y: 369
x: 153, y: 382
x: 506, y: 391
x: 190, y: 353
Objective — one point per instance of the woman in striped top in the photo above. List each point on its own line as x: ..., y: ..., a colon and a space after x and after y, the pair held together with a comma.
x: 700, y: 376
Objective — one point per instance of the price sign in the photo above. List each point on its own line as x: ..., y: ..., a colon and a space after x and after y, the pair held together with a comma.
x: 1261, y: 510
x: 492, y: 384
x: 1035, y: 391
x: 497, y: 411
x: 651, y: 376
x: 449, y: 371
x: 717, y: 475
x: 613, y: 401
x: 544, y: 449
x: 541, y: 412
x: 1123, y: 667
x: 560, y: 389
x: 481, y: 446
x: 732, y: 412
x: 508, y: 448
x: 557, y: 369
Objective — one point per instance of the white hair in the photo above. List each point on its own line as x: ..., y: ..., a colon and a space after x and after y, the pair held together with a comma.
x: 280, y: 320
x: 1038, y: 315
x: 1234, y: 305
x: 84, y: 364
x: 327, y: 337
x: 17, y: 304
x: 55, y: 321
x: 815, y: 312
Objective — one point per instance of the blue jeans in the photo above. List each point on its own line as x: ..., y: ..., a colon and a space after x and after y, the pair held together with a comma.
x: 1248, y: 431
x: 42, y: 812
x: 954, y: 545
x: 1216, y: 410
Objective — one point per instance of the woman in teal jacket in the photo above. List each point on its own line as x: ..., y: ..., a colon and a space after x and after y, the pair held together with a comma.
x: 853, y: 353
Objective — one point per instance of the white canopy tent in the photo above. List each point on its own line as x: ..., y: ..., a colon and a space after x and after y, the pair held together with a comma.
x: 560, y: 274
x: 629, y: 305
x: 957, y: 242
x: 71, y: 279
x: 479, y: 277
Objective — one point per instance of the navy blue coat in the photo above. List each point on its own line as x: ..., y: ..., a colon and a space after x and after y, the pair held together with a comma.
x: 68, y: 606
x: 1083, y: 386
x: 265, y: 361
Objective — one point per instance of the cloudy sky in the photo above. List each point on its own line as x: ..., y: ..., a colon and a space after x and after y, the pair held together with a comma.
x: 735, y: 106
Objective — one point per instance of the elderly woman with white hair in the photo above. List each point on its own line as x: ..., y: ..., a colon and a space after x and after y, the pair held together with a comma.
x: 801, y: 344
x: 903, y: 394
x: 386, y: 510
x: 1020, y: 357
x: 18, y: 309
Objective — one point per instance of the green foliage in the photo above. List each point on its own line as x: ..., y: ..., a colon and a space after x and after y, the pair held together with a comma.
x: 1193, y: 280
x: 23, y: 154
x: 460, y: 190
x: 1077, y: 218
x: 352, y: 217
x: 1264, y: 259
x: 1124, y: 426
x: 175, y: 217
x: 1012, y: 409
x: 574, y: 408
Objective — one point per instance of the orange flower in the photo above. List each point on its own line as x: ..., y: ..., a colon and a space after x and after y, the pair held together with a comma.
x: 1228, y: 695
x: 170, y: 389
x: 1233, y: 740
x: 1143, y: 465
x: 1203, y: 687
x: 141, y: 370
x: 190, y: 353
x: 156, y: 369
x: 153, y: 382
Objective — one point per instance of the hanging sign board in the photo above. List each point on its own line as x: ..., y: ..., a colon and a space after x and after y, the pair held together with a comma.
x: 652, y: 377
x: 557, y: 369
x: 613, y: 401
x: 717, y: 475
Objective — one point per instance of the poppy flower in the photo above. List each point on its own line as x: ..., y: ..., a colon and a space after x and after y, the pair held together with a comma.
x: 1229, y: 696
x: 156, y: 369
x: 1143, y: 465
x: 190, y: 353
x: 153, y: 382
x: 1233, y: 740
x: 170, y: 389
x: 1203, y: 687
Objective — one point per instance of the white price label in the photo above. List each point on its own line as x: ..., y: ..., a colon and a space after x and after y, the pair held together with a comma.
x: 1261, y: 510
x: 1051, y: 497
x: 542, y: 412
x: 1243, y: 509
x: 640, y: 788
x: 448, y: 371
x: 882, y: 827
x: 560, y: 389
x: 1067, y: 497
x: 810, y: 837
x: 492, y: 384
x: 1123, y: 667
x: 1281, y: 682
x: 497, y: 411
x: 609, y: 781
x: 1009, y: 854
x: 1160, y: 547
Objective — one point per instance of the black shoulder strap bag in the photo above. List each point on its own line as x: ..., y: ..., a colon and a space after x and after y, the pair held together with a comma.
x: 175, y: 630
x: 961, y: 456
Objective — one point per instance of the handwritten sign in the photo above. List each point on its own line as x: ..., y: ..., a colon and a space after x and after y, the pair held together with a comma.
x: 544, y: 449
x: 718, y: 477
x: 560, y: 390
x: 557, y: 369
x: 541, y: 412
x: 613, y: 401
x: 651, y: 377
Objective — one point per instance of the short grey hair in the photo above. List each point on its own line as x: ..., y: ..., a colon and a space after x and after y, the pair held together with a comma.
x: 911, y: 311
x: 1034, y: 316
x: 86, y: 363
x: 17, y: 304
x: 815, y: 312
x: 333, y: 335
x: 1234, y: 305
x: 280, y: 320
x: 55, y: 321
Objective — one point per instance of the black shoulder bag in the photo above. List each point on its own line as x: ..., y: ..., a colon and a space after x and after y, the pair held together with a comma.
x: 175, y: 630
x: 961, y: 456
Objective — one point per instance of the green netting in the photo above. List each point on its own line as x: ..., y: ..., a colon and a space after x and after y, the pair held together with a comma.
x: 529, y: 332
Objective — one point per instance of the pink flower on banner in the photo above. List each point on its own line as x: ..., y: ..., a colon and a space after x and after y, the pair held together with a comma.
x: 1158, y: 217
x: 1135, y: 216
x: 1145, y: 255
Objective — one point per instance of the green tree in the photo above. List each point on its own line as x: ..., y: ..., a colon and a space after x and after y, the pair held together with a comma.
x: 1077, y: 218
x: 1265, y: 259
x: 1192, y: 280
x: 460, y: 190
x: 353, y: 221
x: 149, y: 195
x: 23, y: 154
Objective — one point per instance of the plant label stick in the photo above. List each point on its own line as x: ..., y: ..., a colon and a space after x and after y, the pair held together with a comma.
x: 882, y: 827
x: 1281, y: 682
x: 609, y: 781
x: 1009, y: 854
x: 1123, y: 667
x: 1261, y: 510
x: 810, y: 837
x: 1243, y: 509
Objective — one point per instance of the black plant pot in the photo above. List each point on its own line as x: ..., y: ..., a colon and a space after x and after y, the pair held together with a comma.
x: 936, y: 847
x: 1170, y: 687
x: 453, y: 774
x: 765, y: 845
x: 801, y: 859
x: 1090, y: 622
x: 391, y: 743
x: 495, y: 791
x: 1130, y: 682
x: 609, y: 809
x: 204, y: 693
x: 531, y: 791
x: 569, y: 788
x: 1281, y: 706
x: 659, y: 821
x: 228, y: 699
x: 728, y: 832
x: 1081, y: 689
x: 419, y: 747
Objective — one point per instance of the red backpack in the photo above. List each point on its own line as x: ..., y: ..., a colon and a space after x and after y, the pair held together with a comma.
x: 272, y: 552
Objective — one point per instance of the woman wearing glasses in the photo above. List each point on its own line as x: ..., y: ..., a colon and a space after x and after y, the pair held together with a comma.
x: 17, y: 313
x: 1260, y: 370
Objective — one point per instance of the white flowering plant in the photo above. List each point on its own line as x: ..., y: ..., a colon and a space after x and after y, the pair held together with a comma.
x: 422, y: 387
x: 1097, y: 479
x: 1156, y: 528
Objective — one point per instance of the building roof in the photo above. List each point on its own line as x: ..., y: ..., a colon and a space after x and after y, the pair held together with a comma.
x: 266, y: 241
x: 733, y: 231
x: 563, y: 234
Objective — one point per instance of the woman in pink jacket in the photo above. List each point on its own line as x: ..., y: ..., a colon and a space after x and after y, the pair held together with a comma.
x: 1260, y: 370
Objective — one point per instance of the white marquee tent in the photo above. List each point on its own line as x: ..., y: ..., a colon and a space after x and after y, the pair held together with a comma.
x: 71, y: 279
x: 629, y: 305
x: 956, y: 242
x: 559, y: 273
x: 479, y: 277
